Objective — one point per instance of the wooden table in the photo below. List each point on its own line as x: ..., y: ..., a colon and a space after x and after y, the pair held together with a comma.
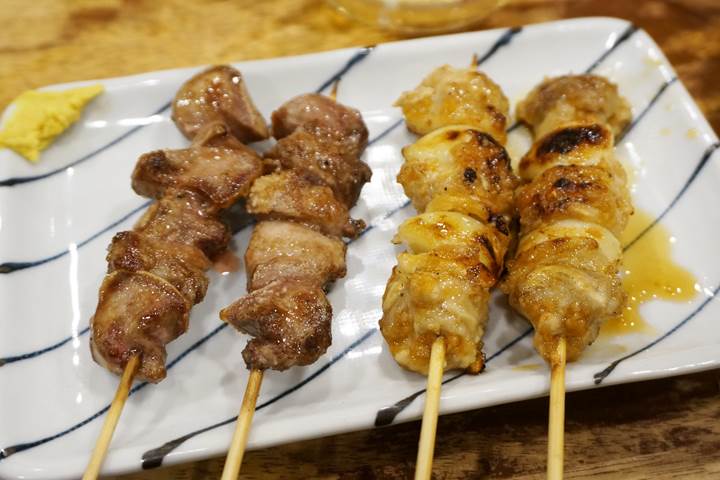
x: 662, y: 429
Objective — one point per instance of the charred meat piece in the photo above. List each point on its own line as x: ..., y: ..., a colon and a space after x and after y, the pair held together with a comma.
x: 287, y: 195
x: 321, y: 161
x: 323, y: 117
x: 461, y: 161
x: 289, y: 320
x: 183, y: 266
x: 137, y: 313
x: 281, y: 250
x: 218, y: 94
x: 223, y: 175
x: 184, y: 217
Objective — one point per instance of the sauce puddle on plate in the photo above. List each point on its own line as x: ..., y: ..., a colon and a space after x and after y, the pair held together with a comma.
x: 649, y: 273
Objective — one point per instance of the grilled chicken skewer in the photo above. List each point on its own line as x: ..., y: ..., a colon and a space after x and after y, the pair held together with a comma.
x: 313, y: 177
x: 459, y: 179
x: 573, y: 206
x: 156, y: 272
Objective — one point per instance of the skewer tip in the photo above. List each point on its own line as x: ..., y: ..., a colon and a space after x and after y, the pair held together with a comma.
x: 242, y: 428
x: 111, y: 420
x: 334, y: 91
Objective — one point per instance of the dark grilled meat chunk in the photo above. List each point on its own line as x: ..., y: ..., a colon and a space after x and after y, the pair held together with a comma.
x: 218, y: 94
x: 322, y: 161
x: 217, y: 134
x: 223, y: 175
x: 182, y: 265
x: 323, y: 117
x: 288, y: 195
x: 184, y: 217
x: 288, y: 251
x: 290, y: 322
x: 137, y: 313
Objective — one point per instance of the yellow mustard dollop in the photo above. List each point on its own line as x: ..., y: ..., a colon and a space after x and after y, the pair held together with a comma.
x: 39, y: 117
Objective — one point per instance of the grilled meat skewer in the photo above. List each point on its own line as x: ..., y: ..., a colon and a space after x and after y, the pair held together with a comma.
x: 573, y: 207
x: 314, y: 175
x: 458, y: 177
x: 156, y: 272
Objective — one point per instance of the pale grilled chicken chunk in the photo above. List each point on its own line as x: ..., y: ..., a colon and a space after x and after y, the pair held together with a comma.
x: 574, y: 100
x: 462, y: 161
x: 288, y: 195
x: 564, y: 277
x: 223, y: 175
x: 322, y: 116
x: 589, y: 193
x: 456, y: 96
x: 440, y: 287
x: 218, y: 94
x: 571, y: 145
x: 460, y: 176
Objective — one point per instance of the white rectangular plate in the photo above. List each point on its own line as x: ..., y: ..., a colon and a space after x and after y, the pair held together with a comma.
x: 58, y: 217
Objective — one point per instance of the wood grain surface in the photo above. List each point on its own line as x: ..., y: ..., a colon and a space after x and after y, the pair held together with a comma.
x: 664, y: 429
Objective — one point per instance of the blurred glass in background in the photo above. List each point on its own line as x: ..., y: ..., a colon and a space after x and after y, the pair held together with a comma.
x: 418, y: 16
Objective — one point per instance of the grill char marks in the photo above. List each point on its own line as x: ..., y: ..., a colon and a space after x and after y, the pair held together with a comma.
x: 564, y: 278
x: 459, y: 178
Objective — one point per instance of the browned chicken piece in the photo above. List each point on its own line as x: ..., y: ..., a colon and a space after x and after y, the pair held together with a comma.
x: 589, y: 193
x: 183, y: 266
x: 324, y: 117
x: 290, y: 321
x: 462, y: 161
x: 321, y: 161
x: 138, y: 313
x: 564, y: 277
x: 218, y: 94
x: 288, y: 195
x: 184, y: 217
x: 459, y: 178
x: 223, y: 175
x: 574, y: 99
x: 456, y: 96
x: 280, y: 250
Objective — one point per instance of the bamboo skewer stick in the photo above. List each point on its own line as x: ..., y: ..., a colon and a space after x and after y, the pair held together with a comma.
x: 247, y: 409
x: 242, y: 427
x: 111, y: 420
x: 556, y: 423
x: 426, y: 446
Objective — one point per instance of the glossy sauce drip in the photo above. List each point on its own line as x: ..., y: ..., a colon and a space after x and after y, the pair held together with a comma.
x: 649, y: 273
